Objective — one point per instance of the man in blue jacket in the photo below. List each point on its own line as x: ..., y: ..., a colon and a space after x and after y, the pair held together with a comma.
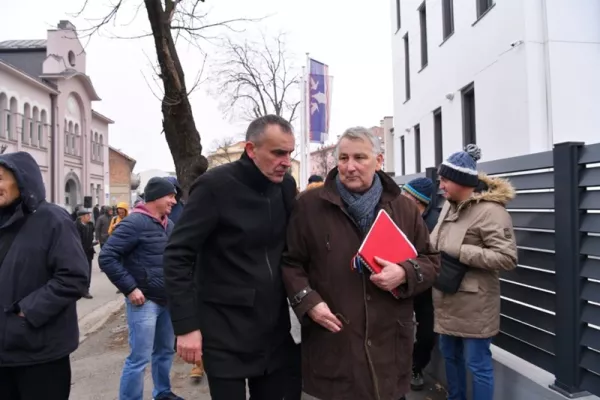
x: 132, y: 259
x: 43, y: 272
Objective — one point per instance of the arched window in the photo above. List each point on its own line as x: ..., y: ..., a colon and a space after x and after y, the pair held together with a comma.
x: 25, y: 123
x: 96, y: 152
x: 76, y: 150
x: 33, y: 127
x: 11, y: 119
x: 92, y: 144
x: 43, y: 125
x: 66, y: 137
x: 4, y: 114
x: 101, y: 148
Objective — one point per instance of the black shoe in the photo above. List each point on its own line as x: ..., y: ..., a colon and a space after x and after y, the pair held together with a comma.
x: 168, y: 396
x: 417, y: 383
x: 88, y: 296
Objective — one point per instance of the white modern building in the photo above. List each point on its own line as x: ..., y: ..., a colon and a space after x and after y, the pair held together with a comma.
x: 513, y: 76
x: 46, y: 110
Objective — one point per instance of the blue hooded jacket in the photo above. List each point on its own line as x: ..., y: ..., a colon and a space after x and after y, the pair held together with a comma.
x: 44, y: 272
x: 177, y: 208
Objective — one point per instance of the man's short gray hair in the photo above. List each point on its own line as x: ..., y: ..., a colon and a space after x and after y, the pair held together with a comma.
x: 360, y: 133
x: 258, y: 126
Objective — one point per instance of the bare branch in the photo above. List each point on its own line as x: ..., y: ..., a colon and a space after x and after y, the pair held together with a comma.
x: 171, y: 21
x: 254, y: 79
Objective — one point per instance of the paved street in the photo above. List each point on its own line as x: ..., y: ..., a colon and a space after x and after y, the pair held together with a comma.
x: 98, y: 361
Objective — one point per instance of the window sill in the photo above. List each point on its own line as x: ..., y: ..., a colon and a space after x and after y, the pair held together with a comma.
x: 97, y: 162
x: 33, y: 146
x: 422, y: 68
x: 446, y: 39
x: 486, y: 12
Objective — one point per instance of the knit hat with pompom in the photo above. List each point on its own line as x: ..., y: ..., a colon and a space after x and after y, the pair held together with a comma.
x: 461, y: 167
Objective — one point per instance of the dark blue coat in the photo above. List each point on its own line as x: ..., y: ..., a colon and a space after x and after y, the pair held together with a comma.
x: 133, y: 255
x: 43, y: 274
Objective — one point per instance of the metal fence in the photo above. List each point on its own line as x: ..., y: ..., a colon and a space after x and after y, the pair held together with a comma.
x: 550, y: 307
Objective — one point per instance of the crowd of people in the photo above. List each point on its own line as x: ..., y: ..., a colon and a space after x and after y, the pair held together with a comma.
x: 249, y: 281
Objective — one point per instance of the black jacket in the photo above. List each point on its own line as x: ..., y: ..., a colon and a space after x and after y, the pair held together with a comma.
x: 231, y: 236
x: 431, y: 216
x: 86, y: 234
x: 43, y: 274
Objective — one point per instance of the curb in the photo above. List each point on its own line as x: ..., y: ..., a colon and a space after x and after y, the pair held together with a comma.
x: 93, y: 321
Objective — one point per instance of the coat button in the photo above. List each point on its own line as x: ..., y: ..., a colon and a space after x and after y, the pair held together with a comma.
x: 369, y: 342
x: 368, y: 297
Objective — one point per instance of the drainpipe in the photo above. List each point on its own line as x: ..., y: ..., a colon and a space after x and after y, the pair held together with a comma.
x: 548, y: 91
x: 53, y: 147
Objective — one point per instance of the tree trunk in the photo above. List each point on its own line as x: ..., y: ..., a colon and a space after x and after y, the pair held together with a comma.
x: 178, y: 122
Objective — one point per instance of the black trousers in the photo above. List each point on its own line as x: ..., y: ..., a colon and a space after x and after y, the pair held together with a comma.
x: 49, y: 381
x: 293, y: 390
x: 266, y: 387
x: 90, y: 258
x: 425, y: 341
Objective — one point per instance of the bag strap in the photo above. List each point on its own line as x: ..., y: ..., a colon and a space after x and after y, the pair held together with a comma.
x: 9, y: 237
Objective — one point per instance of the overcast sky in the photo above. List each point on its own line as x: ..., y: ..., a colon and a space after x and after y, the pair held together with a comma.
x: 351, y: 36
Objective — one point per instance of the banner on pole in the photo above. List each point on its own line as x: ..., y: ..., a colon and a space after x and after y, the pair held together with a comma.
x: 319, y: 101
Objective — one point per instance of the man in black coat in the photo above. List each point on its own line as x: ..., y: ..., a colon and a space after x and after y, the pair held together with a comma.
x: 85, y: 228
x: 96, y: 212
x: 43, y: 272
x: 422, y: 190
x: 235, y: 222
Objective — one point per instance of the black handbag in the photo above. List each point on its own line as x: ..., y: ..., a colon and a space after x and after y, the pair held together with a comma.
x: 451, y: 274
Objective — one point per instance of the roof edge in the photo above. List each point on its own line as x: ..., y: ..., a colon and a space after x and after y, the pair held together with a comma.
x: 16, y: 71
x: 76, y: 74
x: 131, y: 159
x: 102, y: 117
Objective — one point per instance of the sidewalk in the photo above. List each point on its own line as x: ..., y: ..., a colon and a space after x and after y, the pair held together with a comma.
x: 93, y: 313
x: 97, y: 364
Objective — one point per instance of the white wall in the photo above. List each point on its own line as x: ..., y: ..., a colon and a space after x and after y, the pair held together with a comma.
x: 388, y: 162
x: 574, y: 34
x: 510, y: 81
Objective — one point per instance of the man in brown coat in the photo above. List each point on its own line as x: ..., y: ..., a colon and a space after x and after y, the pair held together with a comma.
x: 475, y: 236
x: 357, y: 339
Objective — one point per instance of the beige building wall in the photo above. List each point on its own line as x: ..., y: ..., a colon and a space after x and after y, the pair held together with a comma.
x: 225, y: 155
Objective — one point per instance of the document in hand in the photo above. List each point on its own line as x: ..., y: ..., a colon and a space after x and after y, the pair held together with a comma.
x: 384, y: 240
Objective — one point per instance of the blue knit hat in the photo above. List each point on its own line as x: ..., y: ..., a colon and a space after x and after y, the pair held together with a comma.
x: 420, y: 188
x: 461, y: 167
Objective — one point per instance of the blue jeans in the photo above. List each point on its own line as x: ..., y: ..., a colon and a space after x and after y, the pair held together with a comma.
x: 478, y: 359
x: 151, y: 339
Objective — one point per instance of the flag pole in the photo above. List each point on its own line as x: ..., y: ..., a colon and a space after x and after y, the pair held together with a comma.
x: 303, y: 127
x: 307, y: 117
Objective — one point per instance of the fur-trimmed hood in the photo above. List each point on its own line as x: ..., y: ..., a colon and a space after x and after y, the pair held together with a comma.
x: 495, y: 189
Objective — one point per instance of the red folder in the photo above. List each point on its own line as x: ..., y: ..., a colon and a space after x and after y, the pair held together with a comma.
x: 384, y: 240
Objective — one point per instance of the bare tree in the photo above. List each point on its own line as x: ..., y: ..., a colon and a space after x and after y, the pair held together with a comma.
x: 324, y: 160
x: 171, y: 20
x: 254, y: 79
x: 223, y: 152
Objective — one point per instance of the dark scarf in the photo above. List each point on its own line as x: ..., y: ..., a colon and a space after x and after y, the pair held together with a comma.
x: 361, y: 206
